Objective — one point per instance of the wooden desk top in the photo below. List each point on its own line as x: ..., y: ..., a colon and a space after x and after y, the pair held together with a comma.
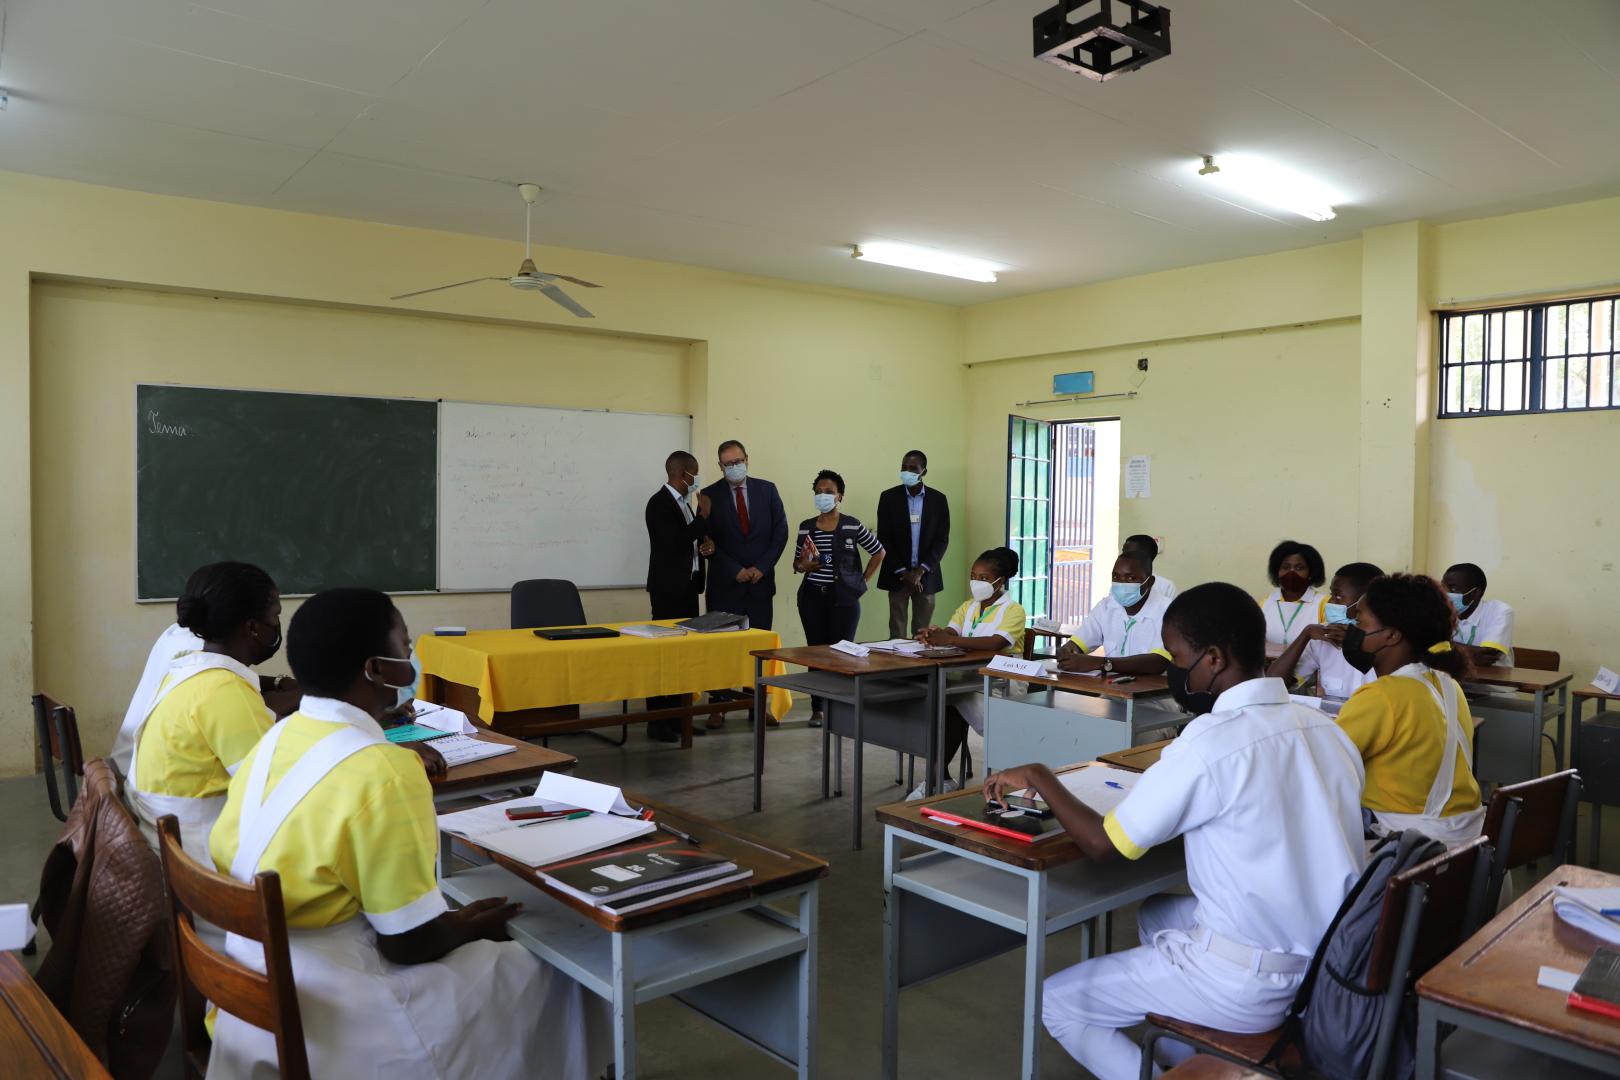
x: 1494, y: 973
x: 1058, y: 850
x: 1137, y: 758
x: 526, y: 762
x: 825, y: 658
x: 1590, y: 691
x: 36, y: 1040
x: 1524, y: 680
x: 1095, y: 685
x: 775, y: 867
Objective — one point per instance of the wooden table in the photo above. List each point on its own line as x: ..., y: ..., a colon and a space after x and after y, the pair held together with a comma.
x: 36, y: 1041
x: 1489, y: 986
x: 1137, y: 758
x: 1599, y: 789
x: 1510, y: 747
x: 973, y: 895
x: 905, y: 711
x: 1037, y: 729
x: 525, y: 764
x: 723, y: 952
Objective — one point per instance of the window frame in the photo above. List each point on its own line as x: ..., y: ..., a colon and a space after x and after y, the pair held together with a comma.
x: 1535, y: 360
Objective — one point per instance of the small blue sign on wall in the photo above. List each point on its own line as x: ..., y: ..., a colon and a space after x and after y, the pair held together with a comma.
x: 1075, y: 382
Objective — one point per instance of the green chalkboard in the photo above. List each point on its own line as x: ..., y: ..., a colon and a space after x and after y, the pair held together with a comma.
x: 319, y: 490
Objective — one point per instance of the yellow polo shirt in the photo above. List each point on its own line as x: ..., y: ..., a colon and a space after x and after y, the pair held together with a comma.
x: 1401, y: 732
x: 364, y: 841
x: 199, y: 733
x: 1005, y: 618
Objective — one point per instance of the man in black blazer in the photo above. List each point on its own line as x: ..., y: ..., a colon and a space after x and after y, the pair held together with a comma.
x: 750, y: 531
x: 677, y: 541
x: 914, y: 527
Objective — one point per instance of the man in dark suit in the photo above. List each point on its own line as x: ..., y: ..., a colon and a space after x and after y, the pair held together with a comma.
x: 914, y: 527
x: 750, y: 532
x: 677, y: 541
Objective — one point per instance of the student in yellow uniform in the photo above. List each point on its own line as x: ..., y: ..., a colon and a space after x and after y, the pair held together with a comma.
x: 989, y: 619
x: 1412, y: 724
x: 1125, y: 624
x: 207, y: 712
x: 1297, y: 574
x: 1317, y: 650
x: 391, y: 982
x: 1484, y: 627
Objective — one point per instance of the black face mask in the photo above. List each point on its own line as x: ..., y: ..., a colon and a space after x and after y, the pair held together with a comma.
x: 1197, y: 702
x: 1355, y: 654
x: 270, y: 648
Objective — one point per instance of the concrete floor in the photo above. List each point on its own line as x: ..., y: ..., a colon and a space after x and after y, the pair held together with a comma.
x: 964, y: 1022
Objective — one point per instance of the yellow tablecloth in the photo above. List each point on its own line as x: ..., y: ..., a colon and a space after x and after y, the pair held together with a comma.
x: 513, y: 669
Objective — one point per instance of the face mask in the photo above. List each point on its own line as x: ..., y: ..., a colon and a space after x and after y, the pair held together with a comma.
x: 693, y: 484
x: 1355, y: 654
x: 736, y: 473
x: 910, y: 479
x: 825, y: 501
x: 1459, y: 600
x: 1126, y: 593
x: 407, y: 692
x: 1337, y: 615
x: 1197, y: 702
x: 271, y: 647
x: 1293, y: 580
x: 982, y: 590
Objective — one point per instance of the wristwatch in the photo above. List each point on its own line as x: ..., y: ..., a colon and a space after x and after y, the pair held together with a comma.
x: 1108, y: 665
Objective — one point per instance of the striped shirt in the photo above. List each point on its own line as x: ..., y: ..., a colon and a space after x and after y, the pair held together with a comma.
x: 854, y: 533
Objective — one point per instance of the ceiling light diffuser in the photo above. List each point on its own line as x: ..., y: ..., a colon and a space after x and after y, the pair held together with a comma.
x: 907, y: 257
x: 1257, y: 180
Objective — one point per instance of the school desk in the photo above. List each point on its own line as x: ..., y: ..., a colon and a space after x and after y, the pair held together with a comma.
x: 973, y: 895
x: 1600, y: 786
x: 1064, y: 718
x: 515, y: 682
x: 1488, y: 987
x: 1510, y: 745
x: 724, y: 953
x: 889, y: 700
x: 36, y: 1041
x: 1137, y: 758
x: 523, y: 767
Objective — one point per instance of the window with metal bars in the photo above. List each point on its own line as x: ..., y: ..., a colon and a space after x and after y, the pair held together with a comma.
x: 1559, y: 356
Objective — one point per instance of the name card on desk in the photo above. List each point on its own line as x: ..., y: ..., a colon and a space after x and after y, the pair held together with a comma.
x: 1606, y: 681
x: 1012, y: 665
x: 850, y: 648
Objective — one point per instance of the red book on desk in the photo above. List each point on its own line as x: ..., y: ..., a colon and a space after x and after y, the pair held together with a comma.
x: 1598, y: 989
x: 971, y: 811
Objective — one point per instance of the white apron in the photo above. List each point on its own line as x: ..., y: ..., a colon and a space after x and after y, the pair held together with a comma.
x: 486, y: 1009
x: 172, y: 644
x: 1458, y: 828
x: 196, y: 815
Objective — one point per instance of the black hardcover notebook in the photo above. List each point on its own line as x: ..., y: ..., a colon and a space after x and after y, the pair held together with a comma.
x: 570, y: 633
x: 631, y: 873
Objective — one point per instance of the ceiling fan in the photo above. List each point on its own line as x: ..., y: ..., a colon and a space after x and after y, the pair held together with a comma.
x: 527, y: 276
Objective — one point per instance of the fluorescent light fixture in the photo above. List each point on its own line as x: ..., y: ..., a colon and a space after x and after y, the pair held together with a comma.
x: 1258, y: 180
x: 933, y: 262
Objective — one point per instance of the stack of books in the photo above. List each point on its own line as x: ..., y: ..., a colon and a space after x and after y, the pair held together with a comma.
x: 642, y: 877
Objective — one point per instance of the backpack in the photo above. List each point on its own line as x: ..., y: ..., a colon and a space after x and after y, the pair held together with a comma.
x: 1334, y: 1021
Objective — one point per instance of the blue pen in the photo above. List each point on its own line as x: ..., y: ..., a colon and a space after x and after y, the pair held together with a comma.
x: 1112, y: 784
x: 1610, y: 911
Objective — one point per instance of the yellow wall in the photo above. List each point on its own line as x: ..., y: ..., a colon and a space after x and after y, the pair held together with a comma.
x: 807, y: 377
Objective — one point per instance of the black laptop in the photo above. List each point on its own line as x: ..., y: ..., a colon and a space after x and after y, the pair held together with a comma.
x: 574, y: 633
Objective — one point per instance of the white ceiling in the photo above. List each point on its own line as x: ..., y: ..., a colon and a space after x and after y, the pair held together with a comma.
x: 763, y: 136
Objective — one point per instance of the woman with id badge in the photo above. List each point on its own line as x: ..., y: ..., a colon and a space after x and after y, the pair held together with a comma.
x: 1297, y: 573
x: 1317, y: 651
x: 829, y: 557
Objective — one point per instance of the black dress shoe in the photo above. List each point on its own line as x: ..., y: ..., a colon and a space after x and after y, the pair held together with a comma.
x: 659, y: 733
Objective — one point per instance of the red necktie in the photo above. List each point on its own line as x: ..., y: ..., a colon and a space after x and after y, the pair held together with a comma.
x: 742, y: 510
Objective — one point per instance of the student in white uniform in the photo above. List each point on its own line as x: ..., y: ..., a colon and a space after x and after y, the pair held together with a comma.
x: 391, y: 982
x: 1265, y: 795
x: 208, y: 711
x: 1316, y: 651
x: 1412, y: 725
x: 1125, y: 625
x: 1297, y: 574
x: 1144, y: 548
x: 1484, y: 627
x: 990, y: 619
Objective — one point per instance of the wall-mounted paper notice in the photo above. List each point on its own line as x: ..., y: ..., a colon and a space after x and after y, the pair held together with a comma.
x: 1139, y: 478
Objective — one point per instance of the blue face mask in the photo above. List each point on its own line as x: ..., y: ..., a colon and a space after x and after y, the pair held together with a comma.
x: 1459, y: 600
x: 910, y: 479
x: 736, y: 473
x: 407, y: 692
x: 1337, y: 615
x: 825, y: 501
x: 1127, y: 593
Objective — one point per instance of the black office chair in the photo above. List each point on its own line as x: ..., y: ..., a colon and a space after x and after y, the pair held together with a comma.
x: 546, y: 602
x: 539, y: 602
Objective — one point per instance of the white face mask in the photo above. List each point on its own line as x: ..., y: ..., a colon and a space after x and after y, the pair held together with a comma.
x: 693, y: 484
x: 825, y: 501
x: 736, y: 473
x: 982, y: 590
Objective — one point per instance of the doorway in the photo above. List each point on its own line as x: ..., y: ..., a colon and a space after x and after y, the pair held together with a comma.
x: 1062, y: 513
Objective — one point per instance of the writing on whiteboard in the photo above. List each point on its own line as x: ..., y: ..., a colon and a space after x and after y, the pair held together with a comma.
x: 156, y: 426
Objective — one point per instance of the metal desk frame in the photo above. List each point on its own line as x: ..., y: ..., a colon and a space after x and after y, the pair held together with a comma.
x: 1135, y: 720
x: 1431, y: 1014
x: 960, y: 927
x: 1486, y: 704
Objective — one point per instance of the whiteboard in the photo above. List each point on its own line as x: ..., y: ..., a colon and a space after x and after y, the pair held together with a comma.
x: 528, y: 492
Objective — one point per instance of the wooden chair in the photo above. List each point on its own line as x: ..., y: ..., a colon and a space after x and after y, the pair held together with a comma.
x: 1204, y: 1067
x: 1530, y: 821
x: 268, y: 1001
x: 1428, y: 911
x: 1031, y: 634
x: 56, y: 727
x: 1536, y: 659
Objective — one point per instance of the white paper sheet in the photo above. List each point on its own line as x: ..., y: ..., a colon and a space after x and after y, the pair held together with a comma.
x: 1101, y: 787
x: 442, y: 719
x: 849, y: 647
x: 1583, y: 909
x: 1557, y: 979
x: 1607, y: 681
x: 1139, y: 477
x: 541, y: 844
x: 464, y: 749
x: 903, y: 646
x: 1015, y: 666
x: 572, y: 791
